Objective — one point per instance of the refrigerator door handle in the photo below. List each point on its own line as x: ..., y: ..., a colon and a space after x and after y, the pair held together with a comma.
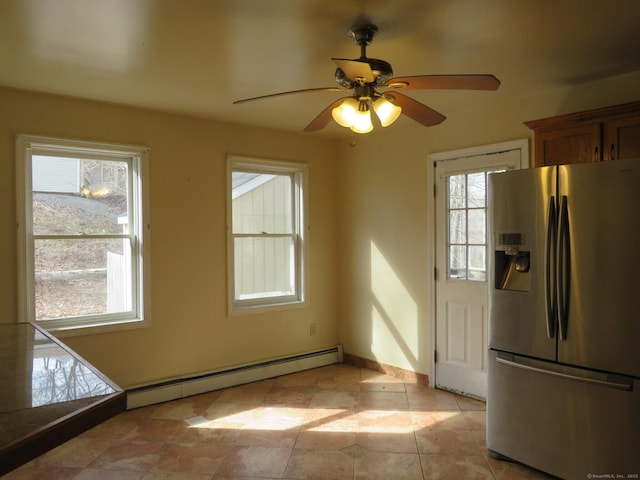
x: 550, y: 264
x: 563, y: 269
x: 594, y: 381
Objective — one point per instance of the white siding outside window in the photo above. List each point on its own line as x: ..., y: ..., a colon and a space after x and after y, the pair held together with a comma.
x: 266, y: 235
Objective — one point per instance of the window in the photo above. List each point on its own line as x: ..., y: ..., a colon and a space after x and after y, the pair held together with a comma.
x: 82, y: 248
x: 467, y: 233
x: 266, y: 235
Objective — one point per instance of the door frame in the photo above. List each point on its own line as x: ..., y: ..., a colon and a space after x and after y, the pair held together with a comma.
x: 432, y: 158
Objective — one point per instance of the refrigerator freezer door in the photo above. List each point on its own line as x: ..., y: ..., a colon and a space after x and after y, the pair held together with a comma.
x: 603, y: 270
x: 565, y: 421
x: 519, y: 206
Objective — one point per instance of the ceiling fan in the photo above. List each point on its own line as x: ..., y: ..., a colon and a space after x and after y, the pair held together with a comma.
x: 366, y: 77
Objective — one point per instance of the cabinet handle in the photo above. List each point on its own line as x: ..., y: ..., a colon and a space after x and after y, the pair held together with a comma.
x: 613, y: 151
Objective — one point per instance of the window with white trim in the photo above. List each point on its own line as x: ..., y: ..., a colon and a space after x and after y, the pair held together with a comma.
x: 266, y: 235
x: 83, y: 244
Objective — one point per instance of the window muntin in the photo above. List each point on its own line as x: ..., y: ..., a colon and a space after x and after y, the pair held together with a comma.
x: 81, y: 253
x: 266, y: 244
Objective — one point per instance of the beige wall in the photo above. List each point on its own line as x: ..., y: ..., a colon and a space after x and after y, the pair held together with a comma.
x: 370, y: 239
x: 386, y: 201
x: 190, y: 330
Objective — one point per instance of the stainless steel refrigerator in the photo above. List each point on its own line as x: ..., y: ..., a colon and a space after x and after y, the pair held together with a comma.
x: 564, y: 319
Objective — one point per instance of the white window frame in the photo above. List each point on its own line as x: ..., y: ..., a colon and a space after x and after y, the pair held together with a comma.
x: 299, y: 173
x: 137, y: 157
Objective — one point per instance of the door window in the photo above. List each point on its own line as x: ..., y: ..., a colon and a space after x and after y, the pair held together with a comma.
x: 467, y: 226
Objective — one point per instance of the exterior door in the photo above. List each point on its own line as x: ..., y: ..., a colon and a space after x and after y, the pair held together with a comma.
x: 461, y: 292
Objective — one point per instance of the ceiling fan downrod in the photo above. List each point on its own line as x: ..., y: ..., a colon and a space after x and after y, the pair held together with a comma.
x: 363, y: 35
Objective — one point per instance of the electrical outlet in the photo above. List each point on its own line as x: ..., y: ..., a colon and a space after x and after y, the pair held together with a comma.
x: 312, y: 329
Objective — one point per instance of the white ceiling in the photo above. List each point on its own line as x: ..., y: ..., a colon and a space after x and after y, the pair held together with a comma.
x: 196, y: 57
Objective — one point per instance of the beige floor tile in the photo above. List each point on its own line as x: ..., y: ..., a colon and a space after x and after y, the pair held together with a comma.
x: 232, y: 415
x: 130, y: 455
x: 447, y: 442
x: 372, y: 377
x: 255, y: 461
x: 388, y: 442
x: 341, y: 385
x: 210, y: 432
x: 505, y: 470
x: 335, y: 399
x: 439, y: 420
x: 466, y: 403
x: 431, y: 400
x: 185, y: 407
x: 157, y: 430
x: 481, y: 439
x: 294, y: 396
x: 268, y: 438
x: 195, y: 458
x: 319, y: 465
x: 386, y: 465
x: 382, y: 387
x: 375, y: 400
x: 385, y: 421
x: 324, y: 440
x: 446, y: 467
x: 253, y: 393
x: 331, y: 420
x: 98, y: 474
x: 343, y: 372
x: 477, y: 419
x: 304, y: 378
x: 277, y: 417
x: 162, y: 475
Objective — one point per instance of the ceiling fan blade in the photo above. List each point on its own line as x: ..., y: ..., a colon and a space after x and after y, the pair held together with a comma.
x: 415, y: 110
x: 321, y: 120
x: 355, y: 69
x: 445, y: 82
x: 306, y: 90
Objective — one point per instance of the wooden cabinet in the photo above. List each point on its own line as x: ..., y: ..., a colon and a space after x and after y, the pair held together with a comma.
x: 622, y: 137
x: 589, y: 136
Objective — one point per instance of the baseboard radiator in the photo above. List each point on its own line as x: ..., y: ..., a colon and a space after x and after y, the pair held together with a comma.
x: 185, y: 387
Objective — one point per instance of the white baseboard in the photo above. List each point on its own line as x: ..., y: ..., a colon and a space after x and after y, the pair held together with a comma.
x: 184, y: 387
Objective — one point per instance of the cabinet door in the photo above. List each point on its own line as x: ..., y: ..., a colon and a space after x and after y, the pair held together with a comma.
x: 574, y: 144
x: 622, y: 138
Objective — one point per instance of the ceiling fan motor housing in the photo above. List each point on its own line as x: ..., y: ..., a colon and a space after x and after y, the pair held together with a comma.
x: 382, y: 73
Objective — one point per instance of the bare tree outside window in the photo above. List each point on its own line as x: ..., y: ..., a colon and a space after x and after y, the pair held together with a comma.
x: 467, y: 226
x: 81, y: 256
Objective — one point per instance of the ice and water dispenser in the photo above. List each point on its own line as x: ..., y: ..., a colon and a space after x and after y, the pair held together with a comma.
x: 512, y: 264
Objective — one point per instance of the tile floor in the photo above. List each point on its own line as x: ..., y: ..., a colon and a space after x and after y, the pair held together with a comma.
x: 335, y: 422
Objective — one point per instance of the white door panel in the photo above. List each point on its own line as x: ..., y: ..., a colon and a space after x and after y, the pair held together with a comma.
x: 461, y: 291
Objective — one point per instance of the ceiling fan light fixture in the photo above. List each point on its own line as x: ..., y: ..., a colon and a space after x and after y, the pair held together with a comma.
x: 386, y: 111
x: 365, y: 75
x: 345, y: 113
x: 362, y: 122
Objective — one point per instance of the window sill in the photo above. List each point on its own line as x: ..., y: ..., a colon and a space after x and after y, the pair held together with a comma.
x: 83, y: 330
x: 242, y: 310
